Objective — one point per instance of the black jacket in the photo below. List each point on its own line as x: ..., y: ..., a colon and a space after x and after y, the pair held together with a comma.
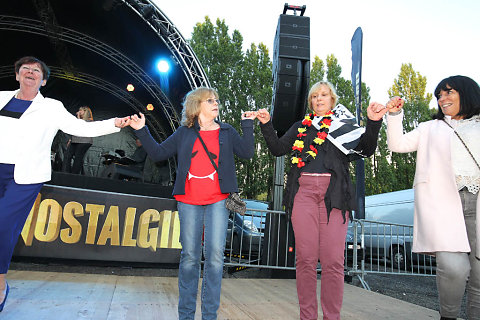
x: 340, y: 193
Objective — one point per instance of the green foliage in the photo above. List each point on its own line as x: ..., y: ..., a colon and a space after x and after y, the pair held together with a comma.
x: 317, y: 72
x: 395, y: 171
x: 410, y: 85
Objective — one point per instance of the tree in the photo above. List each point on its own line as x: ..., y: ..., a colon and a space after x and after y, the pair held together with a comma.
x: 222, y: 58
x: 317, y: 72
x: 256, y: 174
x: 395, y: 171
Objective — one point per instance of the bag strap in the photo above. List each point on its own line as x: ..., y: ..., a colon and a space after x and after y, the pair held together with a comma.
x: 463, y: 142
x: 206, y: 150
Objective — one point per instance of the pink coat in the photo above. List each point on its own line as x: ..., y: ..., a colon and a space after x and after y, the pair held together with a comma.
x: 438, y: 224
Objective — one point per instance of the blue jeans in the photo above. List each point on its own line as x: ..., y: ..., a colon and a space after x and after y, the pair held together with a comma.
x: 193, y: 220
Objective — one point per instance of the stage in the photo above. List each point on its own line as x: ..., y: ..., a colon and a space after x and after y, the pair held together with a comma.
x: 57, y: 295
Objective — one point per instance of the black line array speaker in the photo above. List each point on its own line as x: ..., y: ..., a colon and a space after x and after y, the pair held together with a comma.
x: 291, y: 71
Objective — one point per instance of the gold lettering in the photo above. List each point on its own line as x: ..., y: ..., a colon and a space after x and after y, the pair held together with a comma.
x: 111, y: 228
x: 95, y: 210
x: 29, y: 226
x: 165, y: 223
x: 174, y: 242
x: 146, y: 236
x: 48, y: 221
x: 127, y: 240
x: 72, y: 234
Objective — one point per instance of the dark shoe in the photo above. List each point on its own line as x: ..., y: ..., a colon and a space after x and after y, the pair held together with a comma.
x: 5, y: 299
x: 444, y: 318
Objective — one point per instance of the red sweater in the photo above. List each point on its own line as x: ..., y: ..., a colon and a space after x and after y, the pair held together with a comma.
x: 201, y: 185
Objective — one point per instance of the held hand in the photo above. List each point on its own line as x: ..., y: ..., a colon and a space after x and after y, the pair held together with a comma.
x: 376, y: 111
x: 122, y: 122
x: 263, y: 116
x: 137, y: 122
x: 251, y: 115
x: 395, y: 104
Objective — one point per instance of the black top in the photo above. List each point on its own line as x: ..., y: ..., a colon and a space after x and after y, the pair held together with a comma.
x: 340, y: 193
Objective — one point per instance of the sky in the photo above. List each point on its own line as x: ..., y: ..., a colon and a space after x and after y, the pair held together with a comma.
x: 439, y: 38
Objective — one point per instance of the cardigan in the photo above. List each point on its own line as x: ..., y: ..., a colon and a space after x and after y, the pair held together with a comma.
x: 180, y: 144
x: 438, y: 222
x: 340, y: 193
x: 26, y: 142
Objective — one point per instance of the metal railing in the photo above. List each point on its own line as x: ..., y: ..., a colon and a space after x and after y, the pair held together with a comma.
x: 264, y: 239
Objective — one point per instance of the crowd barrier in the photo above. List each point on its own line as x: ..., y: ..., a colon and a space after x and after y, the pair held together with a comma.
x: 264, y: 239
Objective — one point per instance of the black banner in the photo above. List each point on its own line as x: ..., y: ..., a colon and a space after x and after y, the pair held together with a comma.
x: 74, y: 223
x: 357, y: 41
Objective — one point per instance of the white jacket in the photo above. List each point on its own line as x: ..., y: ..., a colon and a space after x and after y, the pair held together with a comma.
x: 26, y: 142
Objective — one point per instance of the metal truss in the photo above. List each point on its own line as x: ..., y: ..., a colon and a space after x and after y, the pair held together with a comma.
x: 21, y: 24
x: 166, y: 30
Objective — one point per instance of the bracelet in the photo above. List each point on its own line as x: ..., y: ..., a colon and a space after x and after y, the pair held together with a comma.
x: 395, y: 113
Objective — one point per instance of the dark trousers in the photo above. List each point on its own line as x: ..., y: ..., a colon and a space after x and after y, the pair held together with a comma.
x: 16, y: 200
x: 76, y: 151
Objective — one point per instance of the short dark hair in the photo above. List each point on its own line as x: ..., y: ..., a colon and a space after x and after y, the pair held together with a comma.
x: 29, y: 60
x: 469, y: 92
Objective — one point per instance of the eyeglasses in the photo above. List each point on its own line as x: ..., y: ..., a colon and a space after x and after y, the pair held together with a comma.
x: 212, y: 101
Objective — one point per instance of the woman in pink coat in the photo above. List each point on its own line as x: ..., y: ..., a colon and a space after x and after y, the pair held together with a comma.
x: 447, y: 181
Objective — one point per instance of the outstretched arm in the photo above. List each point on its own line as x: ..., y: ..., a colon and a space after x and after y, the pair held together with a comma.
x: 277, y: 146
x: 156, y: 151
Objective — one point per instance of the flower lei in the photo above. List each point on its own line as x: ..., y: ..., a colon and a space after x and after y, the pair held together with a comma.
x: 321, y: 136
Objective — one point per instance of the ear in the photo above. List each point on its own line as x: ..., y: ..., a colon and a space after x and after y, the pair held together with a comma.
x: 17, y: 76
x: 44, y: 82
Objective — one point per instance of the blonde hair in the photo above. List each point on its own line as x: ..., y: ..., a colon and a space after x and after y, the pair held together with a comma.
x: 317, y: 87
x: 191, y: 104
x: 87, y: 113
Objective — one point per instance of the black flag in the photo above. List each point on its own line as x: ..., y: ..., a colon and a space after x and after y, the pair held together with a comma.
x: 357, y: 40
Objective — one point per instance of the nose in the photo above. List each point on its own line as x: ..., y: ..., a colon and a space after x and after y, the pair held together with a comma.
x: 440, y: 98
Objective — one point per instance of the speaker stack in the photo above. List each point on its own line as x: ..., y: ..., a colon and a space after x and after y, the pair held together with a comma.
x: 291, y: 71
x: 291, y: 75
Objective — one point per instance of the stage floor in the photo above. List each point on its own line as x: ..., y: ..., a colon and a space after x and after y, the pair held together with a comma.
x: 51, y: 295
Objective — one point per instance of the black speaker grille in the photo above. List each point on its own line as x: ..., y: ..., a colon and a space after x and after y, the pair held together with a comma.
x: 294, y: 25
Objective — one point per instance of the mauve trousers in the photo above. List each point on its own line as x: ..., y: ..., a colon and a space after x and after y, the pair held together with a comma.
x: 316, y: 239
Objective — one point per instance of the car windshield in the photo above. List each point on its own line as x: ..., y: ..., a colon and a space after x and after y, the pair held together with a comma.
x: 257, y: 217
x: 251, y: 204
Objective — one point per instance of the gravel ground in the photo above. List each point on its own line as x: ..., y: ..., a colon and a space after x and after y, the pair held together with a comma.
x: 419, y: 290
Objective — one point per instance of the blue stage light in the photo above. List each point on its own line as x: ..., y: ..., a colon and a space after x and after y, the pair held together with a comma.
x: 163, y: 66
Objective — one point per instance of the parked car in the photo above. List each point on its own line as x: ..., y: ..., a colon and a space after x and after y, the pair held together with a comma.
x: 248, y: 230
x: 388, y: 229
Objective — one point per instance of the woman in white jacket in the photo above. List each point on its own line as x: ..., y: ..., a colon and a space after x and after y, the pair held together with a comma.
x: 28, y: 124
x: 447, y: 181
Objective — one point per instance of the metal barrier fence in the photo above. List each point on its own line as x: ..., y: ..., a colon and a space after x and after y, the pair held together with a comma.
x: 383, y: 248
x: 264, y: 239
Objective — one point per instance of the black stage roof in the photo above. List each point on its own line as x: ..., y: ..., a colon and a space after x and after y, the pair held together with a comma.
x: 95, y: 48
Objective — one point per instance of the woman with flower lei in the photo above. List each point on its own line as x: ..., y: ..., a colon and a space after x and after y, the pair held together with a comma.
x: 319, y: 194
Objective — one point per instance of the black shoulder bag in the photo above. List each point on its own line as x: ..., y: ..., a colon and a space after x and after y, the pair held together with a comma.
x: 233, y: 202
